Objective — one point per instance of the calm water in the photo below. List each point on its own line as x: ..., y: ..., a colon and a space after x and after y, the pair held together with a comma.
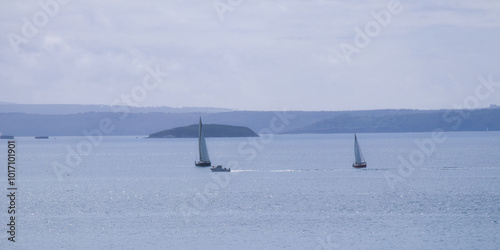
x: 286, y: 191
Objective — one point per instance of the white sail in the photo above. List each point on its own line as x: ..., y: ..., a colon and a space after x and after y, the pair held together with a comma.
x: 202, y: 145
x: 358, y: 156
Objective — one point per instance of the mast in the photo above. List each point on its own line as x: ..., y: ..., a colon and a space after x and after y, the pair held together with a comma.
x: 199, y: 138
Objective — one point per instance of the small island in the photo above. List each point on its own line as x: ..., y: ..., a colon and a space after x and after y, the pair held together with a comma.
x: 210, y: 130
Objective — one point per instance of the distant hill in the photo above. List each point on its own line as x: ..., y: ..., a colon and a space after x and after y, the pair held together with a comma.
x: 22, y: 124
x: 369, y: 121
x: 210, y: 130
x: 447, y: 120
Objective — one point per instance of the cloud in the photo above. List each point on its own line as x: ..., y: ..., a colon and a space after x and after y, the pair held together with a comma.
x: 263, y: 55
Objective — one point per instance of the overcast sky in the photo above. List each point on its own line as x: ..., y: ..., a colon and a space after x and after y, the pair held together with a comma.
x: 251, y: 54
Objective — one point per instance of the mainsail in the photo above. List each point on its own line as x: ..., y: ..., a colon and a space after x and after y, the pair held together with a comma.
x: 202, y: 145
x: 358, y: 156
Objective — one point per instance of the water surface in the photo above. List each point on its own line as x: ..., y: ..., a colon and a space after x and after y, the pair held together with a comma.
x: 285, y: 191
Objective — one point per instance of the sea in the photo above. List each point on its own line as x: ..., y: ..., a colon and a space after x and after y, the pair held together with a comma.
x: 419, y: 191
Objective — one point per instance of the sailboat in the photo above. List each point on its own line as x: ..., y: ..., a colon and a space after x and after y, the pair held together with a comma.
x: 202, y: 149
x: 359, y: 161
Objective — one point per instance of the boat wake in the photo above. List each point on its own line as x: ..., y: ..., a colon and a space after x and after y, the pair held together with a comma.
x: 306, y: 170
x: 267, y: 170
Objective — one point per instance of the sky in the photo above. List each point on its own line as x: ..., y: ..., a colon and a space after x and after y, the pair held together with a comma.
x: 252, y: 55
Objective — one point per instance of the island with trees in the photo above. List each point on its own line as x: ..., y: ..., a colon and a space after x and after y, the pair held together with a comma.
x: 210, y: 130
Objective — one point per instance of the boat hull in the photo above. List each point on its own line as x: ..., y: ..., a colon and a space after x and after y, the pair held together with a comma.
x: 203, y: 164
x: 359, y: 165
x: 219, y: 168
x: 224, y: 170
